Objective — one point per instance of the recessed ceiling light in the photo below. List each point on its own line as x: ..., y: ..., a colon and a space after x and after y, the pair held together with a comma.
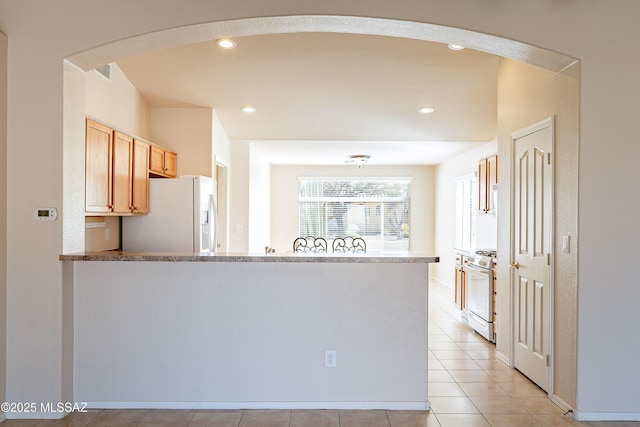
x: 248, y: 109
x: 426, y: 110
x: 225, y: 43
x: 455, y: 47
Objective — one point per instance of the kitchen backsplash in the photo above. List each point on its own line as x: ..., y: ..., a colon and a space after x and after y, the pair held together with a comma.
x: 101, y: 233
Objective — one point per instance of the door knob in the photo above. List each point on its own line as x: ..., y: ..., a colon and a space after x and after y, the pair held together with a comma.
x: 515, y: 265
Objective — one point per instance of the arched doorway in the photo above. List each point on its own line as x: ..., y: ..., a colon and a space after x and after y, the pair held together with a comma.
x: 87, y: 60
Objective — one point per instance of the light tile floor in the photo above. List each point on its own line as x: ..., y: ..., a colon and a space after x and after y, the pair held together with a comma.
x: 468, y: 387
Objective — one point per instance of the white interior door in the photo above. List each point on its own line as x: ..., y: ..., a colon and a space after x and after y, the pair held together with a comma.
x: 532, y: 250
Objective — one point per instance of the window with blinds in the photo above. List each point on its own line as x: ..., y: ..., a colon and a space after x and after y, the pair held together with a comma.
x: 376, y: 209
x: 466, y: 199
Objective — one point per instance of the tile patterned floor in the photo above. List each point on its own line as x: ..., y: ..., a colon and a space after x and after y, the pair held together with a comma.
x: 468, y: 387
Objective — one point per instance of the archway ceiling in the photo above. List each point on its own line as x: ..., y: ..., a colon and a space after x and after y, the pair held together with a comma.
x: 331, y: 93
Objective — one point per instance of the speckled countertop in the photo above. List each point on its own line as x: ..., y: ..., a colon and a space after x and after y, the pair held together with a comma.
x: 234, y: 257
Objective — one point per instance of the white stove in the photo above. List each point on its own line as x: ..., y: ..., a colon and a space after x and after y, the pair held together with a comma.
x: 484, y: 258
x: 479, y: 271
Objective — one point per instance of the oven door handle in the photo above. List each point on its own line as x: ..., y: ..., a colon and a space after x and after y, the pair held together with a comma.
x: 478, y: 269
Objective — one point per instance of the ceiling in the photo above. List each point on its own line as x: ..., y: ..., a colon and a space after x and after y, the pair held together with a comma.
x: 323, y: 96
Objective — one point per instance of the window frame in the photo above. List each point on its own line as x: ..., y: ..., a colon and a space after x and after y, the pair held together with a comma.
x: 379, y: 200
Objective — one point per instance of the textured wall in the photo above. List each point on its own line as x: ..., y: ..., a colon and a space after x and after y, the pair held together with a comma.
x: 527, y: 95
x: 609, y: 93
x: 3, y: 215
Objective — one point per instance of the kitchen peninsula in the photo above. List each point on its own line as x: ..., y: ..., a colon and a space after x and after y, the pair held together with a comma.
x: 169, y: 330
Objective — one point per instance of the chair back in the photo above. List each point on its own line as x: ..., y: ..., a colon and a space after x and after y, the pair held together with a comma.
x: 349, y: 244
x: 310, y: 244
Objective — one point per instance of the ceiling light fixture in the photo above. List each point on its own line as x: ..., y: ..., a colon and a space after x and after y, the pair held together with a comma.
x: 426, y: 110
x: 455, y: 47
x: 248, y: 109
x: 225, y: 43
x: 358, y: 159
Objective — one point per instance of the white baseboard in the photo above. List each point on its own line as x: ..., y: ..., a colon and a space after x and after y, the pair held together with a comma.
x: 606, y: 416
x: 444, y: 283
x: 502, y: 358
x: 398, y: 406
x: 34, y: 415
x: 561, y: 404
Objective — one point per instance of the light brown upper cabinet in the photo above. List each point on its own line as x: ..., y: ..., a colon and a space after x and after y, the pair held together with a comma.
x: 116, y: 172
x: 162, y: 162
x: 487, y: 178
x: 98, y: 168
x: 122, y: 172
x: 140, y: 185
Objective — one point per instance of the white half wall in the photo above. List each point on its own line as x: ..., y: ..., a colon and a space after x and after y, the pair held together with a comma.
x: 250, y: 333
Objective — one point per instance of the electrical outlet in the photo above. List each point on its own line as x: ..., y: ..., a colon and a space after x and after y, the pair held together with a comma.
x: 330, y: 359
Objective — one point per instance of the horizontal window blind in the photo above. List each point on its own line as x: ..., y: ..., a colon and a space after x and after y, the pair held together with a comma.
x: 376, y: 209
x: 466, y: 197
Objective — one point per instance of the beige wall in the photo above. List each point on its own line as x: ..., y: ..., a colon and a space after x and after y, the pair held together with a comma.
x: 102, y: 233
x: 3, y: 216
x: 117, y: 103
x: 285, y: 190
x: 239, y: 202
x: 260, y: 190
x: 609, y: 94
x: 221, y: 147
x: 527, y: 95
x: 188, y: 132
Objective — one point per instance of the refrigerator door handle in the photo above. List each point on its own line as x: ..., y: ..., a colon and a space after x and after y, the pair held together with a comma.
x: 213, y: 225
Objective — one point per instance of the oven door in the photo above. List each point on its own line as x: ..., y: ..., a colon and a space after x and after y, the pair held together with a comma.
x: 480, y: 299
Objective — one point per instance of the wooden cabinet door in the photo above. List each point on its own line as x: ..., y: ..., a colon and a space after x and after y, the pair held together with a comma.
x: 98, y: 167
x: 140, y: 202
x: 482, y: 186
x: 156, y: 160
x: 122, y: 172
x: 163, y: 162
x: 460, y: 288
x: 170, y: 164
x: 487, y: 177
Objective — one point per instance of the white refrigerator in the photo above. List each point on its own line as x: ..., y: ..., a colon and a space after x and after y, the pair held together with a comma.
x: 181, y: 218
